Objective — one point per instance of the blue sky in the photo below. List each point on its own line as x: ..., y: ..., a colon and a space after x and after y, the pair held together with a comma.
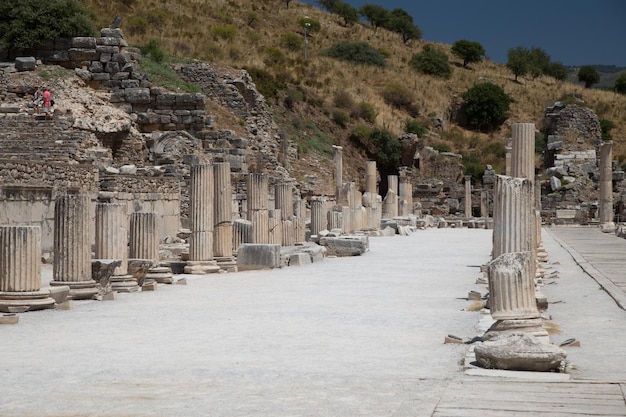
x: 573, y: 32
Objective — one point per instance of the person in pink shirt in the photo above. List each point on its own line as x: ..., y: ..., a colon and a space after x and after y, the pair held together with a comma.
x: 47, y: 103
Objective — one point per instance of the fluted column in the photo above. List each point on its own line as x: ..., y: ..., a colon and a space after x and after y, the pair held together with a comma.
x: 72, y: 245
x: 275, y: 227
x: 405, y: 194
x: 112, y: 234
x: 512, y: 296
x: 484, y: 203
x: 20, y: 270
x: 299, y: 208
x: 201, y: 216
x: 283, y: 196
x: 390, y: 203
x: 513, y: 216
x: 370, y: 177
x: 258, y: 202
x: 223, y: 231
x: 242, y: 233
x: 338, y: 160
x: 144, y: 236
x: 523, y: 151
x: 468, y: 197
x: 318, y: 216
x: 606, y: 188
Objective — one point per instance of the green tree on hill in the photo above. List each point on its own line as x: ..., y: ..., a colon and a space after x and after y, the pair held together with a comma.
x: 376, y: 15
x: 517, y: 61
x: 432, y: 61
x: 588, y: 75
x: 486, y: 106
x: 401, y: 22
x: 538, y: 62
x: 468, y: 51
x: 558, y: 71
x: 26, y: 24
x: 349, y: 14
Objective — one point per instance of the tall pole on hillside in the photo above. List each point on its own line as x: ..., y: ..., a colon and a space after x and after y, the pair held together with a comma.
x: 306, y: 41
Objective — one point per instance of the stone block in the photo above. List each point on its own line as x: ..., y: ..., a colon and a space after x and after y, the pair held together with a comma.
x: 252, y: 256
x: 9, y: 318
x: 345, y: 245
x: 297, y: 259
x: 66, y: 305
x: 519, y: 352
x: 59, y: 293
x: 138, y: 95
x: 25, y: 63
x: 84, y: 42
x: 111, y: 33
x: 149, y: 286
x: 83, y: 54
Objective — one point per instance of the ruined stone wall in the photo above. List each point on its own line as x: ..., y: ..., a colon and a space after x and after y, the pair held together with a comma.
x: 236, y: 91
x: 570, y: 183
x: 145, y: 192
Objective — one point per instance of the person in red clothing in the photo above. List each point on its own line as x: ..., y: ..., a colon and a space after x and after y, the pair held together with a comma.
x: 47, y: 103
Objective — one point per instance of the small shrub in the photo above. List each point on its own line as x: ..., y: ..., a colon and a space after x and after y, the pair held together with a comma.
x: 472, y: 166
x: 252, y: 20
x: 357, y: 53
x: 365, y: 111
x: 265, y: 82
x: 415, y: 126
x: 343, y: 99
x: 137, y: 25
x: 606, y: 126
x: 431, y: 61
x: 387, y: 149
x: 291, y: 41
x: 341, y: 117
x: 486, y: 106
x: 153, y: 50
x: 441, y: 147
x: 225, y: 32
x: 398, y: 95
x: 274, y: 56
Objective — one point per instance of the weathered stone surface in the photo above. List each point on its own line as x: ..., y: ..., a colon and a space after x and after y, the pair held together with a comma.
x: 345, y: 245
x: 25, y: 63
x: 519, y: 352
x: 258, y: 256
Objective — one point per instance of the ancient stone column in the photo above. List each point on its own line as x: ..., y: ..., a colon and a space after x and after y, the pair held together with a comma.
x: 484, y: 203
x: 606, y: 188
x: 258, y: 204
x: 112, y: 234
x: 283, y: 197
x: 112, y: 243
x: 338, y: 160
x: 275, y: 227
x: 370, y: 177
x: 468, y: 197
x: 201, y: 215
x: 20, y: 270
x: 144, y: 244
x: 318, y: 216
x: 299, y: 208
x: 371, y: 201
x: 507, y: 149
x: 523, y: 151
x: 242, y: 233
x: 72, y: 245
x: 512, y: 296
x: 337, y: 218
x: 390, y: 203
x: 513, y: 216
x: 223, y: 229
x: 405, y: 194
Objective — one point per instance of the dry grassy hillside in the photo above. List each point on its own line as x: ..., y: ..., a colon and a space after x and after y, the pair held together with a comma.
x: 252, y: 34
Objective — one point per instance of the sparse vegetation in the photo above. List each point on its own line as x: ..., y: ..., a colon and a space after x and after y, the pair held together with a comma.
x: 357, y: 53
x: 302, y: 91
x: 432, y: 61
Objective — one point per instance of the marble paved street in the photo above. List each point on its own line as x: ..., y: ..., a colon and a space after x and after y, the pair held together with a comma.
x: 359, y: 336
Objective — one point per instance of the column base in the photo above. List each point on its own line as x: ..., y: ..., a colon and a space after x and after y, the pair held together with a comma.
x: 227, y: 263
x: 160, y: 274
x: 20, y: 301
x: 608, y: 227
x: 124, y: 283
x: 201, y: 267
x: 79, y: 290
x: 532, y: 326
